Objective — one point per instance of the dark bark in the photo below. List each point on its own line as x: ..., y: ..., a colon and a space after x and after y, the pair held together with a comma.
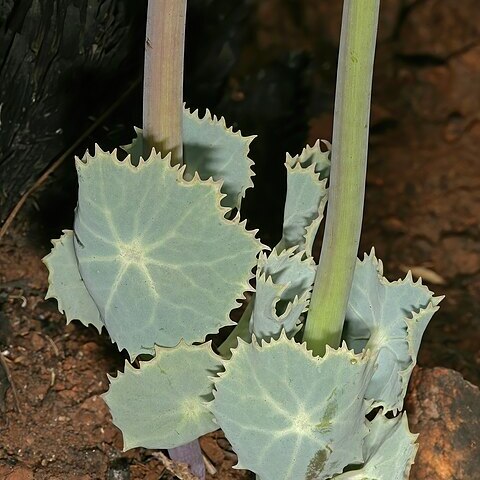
x: 61, y: 62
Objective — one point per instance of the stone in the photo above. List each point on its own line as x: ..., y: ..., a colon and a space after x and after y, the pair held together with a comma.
x: 445, y: 410
x: 212, y: 450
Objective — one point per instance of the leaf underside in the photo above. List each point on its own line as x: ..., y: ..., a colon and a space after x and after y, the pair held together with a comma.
x: 389, y: 318
x: 162, y: 404
x: 290, y: 415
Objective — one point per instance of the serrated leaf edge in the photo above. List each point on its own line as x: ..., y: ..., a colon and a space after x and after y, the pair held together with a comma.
x: 408, y: 279
x: 258, y: 344
x: 413, y: 437
x: 213, y: 119
x: 84, y: 162
x: 159, y: 350
x: 50, y: 291
x: 433, y: 304
x: 307, y: 151
x: 101, y: 155
x: 292, y: 253
x: 280, y: 288
x: 294, y: 164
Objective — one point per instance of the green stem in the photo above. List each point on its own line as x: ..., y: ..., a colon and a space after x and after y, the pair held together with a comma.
x: 347, y: 181
x: 163, y: 76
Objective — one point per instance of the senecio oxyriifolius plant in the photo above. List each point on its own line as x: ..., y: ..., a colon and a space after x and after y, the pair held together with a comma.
x: 159, y: 257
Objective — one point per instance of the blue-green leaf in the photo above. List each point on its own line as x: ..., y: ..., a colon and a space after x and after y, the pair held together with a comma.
x: 306, y: 197
x: 66, y: 284
x: 211, y: 150
x: 389, y: 318
x: 156, y: 252
x: 163, y: 403
x: 389, y: 451
x: 283, y: 288
x: 291, y: 415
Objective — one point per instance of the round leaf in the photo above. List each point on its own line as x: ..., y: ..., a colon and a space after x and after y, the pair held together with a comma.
x: 156, y: 253
x: 162, y: 404
x: 290, y: 415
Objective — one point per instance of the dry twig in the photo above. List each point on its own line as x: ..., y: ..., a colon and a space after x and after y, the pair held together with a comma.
x: 10, y: 381
x: 180, y: 470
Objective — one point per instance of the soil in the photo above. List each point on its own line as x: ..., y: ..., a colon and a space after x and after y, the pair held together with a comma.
x: 422, y: 213
x: 60, y: 428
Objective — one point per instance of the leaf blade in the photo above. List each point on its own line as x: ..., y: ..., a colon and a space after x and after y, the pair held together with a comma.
x: 285, y: 425
x: 283, y: 280
x: 306, y: 197
x: 213, y: 150
x: 66, y: 284
x: 389, y: 318
x: 389, y: 451
x: 164, y: 260
x: 162, y: 404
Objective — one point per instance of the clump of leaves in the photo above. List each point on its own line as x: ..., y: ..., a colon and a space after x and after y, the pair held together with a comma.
x: 159, y: 257
x: 155, y: 260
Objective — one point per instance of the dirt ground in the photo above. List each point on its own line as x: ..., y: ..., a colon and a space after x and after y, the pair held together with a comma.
x: 57, y: 426
x: 422, y: 213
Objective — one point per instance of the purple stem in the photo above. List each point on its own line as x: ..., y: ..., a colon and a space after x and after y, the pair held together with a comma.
x: 191, y: 454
